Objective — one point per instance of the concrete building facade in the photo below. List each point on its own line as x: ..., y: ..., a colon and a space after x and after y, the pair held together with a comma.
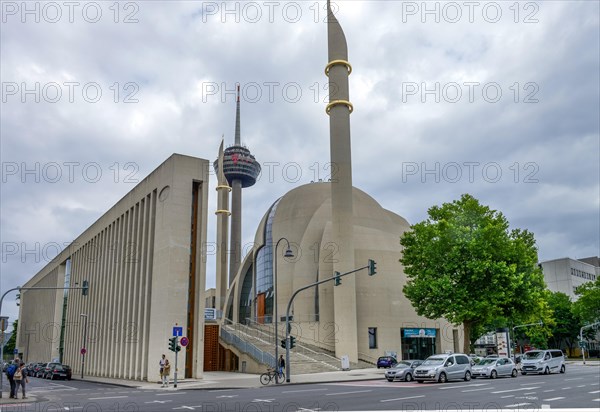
x: 566, y: 274
x: 146, y: 269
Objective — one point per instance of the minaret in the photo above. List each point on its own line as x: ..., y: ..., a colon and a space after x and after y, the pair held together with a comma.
x: 339, y: 108
x: 241, y: 170
x: 223, y: 214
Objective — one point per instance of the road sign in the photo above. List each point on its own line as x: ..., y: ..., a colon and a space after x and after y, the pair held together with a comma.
x: 184, y: 341
x: 16, y: 352
x: 177, y: 330
x: 83, y: 351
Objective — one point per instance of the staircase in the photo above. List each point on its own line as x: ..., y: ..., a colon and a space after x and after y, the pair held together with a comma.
x: 259, y: 342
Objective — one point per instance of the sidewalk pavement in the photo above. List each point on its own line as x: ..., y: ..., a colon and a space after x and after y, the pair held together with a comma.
x: 235, y: 380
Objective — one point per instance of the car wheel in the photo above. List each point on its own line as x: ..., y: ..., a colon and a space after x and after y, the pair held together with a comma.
x: 467, y: 376
x: 547, y: 371
x: 390, y: 380
x: 493, y: 374
x: 562, y: 369
x: 442, y: 378
x: 514, y: 373
x: 408, y: 377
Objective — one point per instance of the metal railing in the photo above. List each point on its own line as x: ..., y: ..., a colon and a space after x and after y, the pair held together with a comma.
x: 248, y: 348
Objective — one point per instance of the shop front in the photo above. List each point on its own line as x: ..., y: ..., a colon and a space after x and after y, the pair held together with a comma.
x: 418, y: 343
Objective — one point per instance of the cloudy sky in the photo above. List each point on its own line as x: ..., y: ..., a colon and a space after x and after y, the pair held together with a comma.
x: 497, y: 99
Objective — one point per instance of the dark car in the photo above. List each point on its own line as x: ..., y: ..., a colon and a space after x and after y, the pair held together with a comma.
x: 56, y: 372
x: 386, y: 362
x: 39, y: 370
x: 403, y: 370
x: 49, y: 366
x: 69, y: 371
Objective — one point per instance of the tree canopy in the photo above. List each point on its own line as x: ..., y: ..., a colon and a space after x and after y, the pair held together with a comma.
x: 587, y: 306
x: 465, y: 265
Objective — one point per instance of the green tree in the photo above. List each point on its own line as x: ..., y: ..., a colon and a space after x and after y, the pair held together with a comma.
x: 11, y: 343
x: 565, y: 330
x: 587, y: 306
x: 464, y: 264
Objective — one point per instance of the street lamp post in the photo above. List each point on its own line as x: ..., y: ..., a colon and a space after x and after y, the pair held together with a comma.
x: 288, y: 253
x: 83, y: 348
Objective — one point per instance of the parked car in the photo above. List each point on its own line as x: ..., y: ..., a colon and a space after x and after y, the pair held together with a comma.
x: 543, y: 361
x: 403, y: 370
x: 69, y: 372
x: 386, y: 362
x: 492, y: 368
x: 48, y: 368
x: 40, y: 369
x: 492, y: 356
x: 444, y: 367
x: 56, y: 372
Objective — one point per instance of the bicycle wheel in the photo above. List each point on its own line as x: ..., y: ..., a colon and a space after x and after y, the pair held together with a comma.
x: 265, y: 378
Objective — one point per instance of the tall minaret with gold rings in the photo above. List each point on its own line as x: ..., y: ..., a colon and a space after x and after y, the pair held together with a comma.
x: 339, y: 108
x: 223, y: 214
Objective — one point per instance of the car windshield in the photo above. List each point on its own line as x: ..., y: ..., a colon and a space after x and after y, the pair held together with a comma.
x: 433, y: 361
x: 486, y: 361
x: 533, y: 355
x: 402, y: 365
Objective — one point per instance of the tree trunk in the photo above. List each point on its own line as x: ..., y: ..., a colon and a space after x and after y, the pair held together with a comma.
x: 467, y: 337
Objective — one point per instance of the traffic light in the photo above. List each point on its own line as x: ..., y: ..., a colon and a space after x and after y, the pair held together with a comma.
x: 283, y: 345
x: 338, y: 279
x: 173, y: 344
x: 372, y: 267
x: 292, y: 342
x: 85, y: 288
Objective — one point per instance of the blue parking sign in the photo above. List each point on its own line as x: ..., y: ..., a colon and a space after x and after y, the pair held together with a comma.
x: 177, y: 330
x: 16, y: 352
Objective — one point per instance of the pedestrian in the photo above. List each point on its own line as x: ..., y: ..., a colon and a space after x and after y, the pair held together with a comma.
x: 10, y: 373
x: 20, y: 380
x: 166, y: 371
x: 281, y: 365
x: 161, y: 362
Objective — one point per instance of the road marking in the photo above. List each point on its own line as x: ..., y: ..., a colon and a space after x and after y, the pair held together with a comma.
x: 107, y: 397
x: 597, y: 400
x: 594, y: 392
x: 507, y: 396
x: 191, y: 408
x: 463, y: 386
x: 475, y: 390
x: 580, y: 386
x: 346, y: 393
x: 517, y: 390
x: 264, y: 400
x: 573, y: 379
x: 550, y: 390
x: 553, y: 399
x: 568, y: 387
x: 304, y: 390
x: 529, y: 393
x: 531, y: 383
x: 170, y: 393
x: 161, y: 402
x: 401, y: 399
x: 227, y: 396
x: 517, y: 405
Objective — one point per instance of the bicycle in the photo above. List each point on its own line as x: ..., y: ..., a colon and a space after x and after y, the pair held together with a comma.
x: 271, y: 375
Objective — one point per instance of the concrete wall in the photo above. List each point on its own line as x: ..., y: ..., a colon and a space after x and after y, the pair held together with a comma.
x: 136, y: 258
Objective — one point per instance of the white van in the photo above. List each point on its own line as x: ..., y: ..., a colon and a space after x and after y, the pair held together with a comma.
x: 543, y: 361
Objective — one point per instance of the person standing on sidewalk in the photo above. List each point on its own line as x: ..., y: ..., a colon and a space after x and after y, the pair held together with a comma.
x: 20, y: 380
x: 280, y: 366
x: 165, y: 374
x: 161, y: 362
x: 10, y: 374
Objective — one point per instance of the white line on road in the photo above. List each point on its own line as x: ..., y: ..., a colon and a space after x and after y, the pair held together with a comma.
x: 304, y: 390
x: 553, y: 399
x: 573, y: 379
x: 475, y: 390
x: 401, y: 399
x: 594, y: 392
x: 107, y: 397
x: 517, y: 390
x: 568, y: 387
x: 596, y: 400
x: 346, y: 393
x: 517, y: 405
x: 463, y: 386
x: 550, y: 390
x: 531, y: 383
x: 507, y: 396
x: 170, y: 393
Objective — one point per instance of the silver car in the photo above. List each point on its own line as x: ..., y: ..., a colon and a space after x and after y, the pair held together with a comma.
x: 442, y: 368
x: 403, y: 370
x: 494, y: 367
